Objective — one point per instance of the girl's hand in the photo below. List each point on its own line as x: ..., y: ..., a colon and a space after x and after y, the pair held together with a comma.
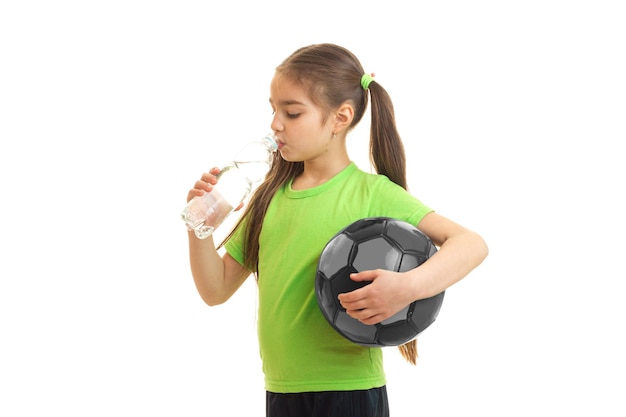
x: 386, y: 295
x: 204, y: 184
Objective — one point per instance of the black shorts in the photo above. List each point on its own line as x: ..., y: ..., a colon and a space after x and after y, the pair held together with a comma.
x: 364, y: 403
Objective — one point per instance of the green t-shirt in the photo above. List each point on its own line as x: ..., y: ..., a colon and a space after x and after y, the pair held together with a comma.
x: 300, y: 350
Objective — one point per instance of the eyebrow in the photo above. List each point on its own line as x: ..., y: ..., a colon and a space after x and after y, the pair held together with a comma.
x: 287, y: 102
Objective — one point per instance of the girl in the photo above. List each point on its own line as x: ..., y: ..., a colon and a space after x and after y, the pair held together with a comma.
x: 318, y: 95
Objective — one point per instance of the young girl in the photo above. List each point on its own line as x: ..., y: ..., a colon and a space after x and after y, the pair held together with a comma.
x: 318, y: 95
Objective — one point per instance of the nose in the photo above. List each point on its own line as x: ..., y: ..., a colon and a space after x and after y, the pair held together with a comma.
x: 276, y: 125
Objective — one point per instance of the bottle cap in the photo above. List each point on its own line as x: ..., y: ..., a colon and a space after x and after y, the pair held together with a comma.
x: 270, y: 138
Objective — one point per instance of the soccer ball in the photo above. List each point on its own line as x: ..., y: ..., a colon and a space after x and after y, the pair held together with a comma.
x: 374, y: 243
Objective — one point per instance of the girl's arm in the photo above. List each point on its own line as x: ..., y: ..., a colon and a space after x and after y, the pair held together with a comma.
x: 460, y: 251
x: 216, y: 277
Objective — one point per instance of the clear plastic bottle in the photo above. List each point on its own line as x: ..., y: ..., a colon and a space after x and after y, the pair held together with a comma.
x: 203, y: 214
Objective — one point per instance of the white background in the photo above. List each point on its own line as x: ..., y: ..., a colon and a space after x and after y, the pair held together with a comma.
x: 513, y: 116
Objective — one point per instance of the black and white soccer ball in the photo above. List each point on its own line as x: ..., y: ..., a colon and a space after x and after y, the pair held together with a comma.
x: 374, y: 243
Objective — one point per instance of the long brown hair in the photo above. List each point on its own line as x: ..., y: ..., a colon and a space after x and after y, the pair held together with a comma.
x: 332, y: 75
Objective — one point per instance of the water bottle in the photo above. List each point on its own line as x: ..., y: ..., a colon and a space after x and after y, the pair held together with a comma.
x: 203, y: 214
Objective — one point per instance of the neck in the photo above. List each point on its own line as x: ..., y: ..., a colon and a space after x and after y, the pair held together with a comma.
x: 315, y: 174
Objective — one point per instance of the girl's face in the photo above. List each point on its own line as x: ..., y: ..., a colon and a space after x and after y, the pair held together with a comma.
x: 303, y: 132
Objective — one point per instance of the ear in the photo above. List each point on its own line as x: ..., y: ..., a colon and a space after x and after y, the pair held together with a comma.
x: 343, y: 117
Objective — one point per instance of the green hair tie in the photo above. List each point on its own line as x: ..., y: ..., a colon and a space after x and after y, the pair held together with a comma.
x: 366, y: 80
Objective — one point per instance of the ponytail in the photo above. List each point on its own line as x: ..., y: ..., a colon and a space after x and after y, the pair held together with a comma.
x: 386, y: 148
x: 388, y: 158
